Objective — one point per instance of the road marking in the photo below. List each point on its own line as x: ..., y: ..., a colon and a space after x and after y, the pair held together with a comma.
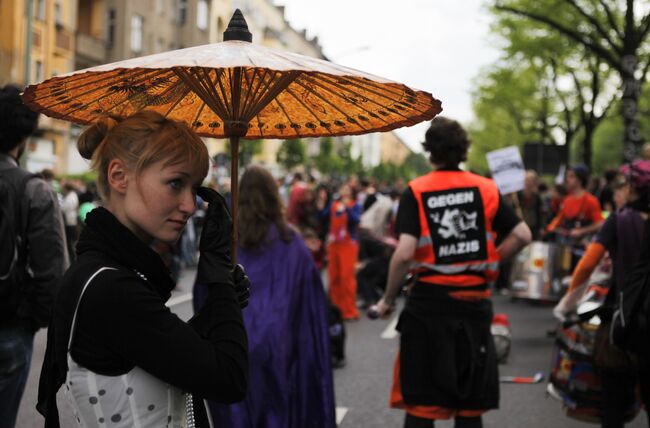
x: 178, y: 300
x: 340, y: 414
x: 390, y: 332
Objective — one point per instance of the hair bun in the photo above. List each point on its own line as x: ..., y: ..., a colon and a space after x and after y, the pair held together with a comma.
x: 93, y: 136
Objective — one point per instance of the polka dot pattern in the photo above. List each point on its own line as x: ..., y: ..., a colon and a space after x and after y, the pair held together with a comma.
x: 116, y: 401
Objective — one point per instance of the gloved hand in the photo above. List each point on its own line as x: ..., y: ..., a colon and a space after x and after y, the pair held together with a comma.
x: 242, y: 286
x: 215, y: 264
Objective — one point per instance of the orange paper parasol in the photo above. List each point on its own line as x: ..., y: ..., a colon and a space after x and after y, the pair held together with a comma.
x: 236, y: 89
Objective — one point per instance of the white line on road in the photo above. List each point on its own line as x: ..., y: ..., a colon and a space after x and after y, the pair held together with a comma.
x: 390, y: 332
x: 340, y: 414
x: 179, y: 299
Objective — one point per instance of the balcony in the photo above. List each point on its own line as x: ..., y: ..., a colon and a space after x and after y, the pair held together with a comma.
x: 91, y: 49
x: 63, y: 40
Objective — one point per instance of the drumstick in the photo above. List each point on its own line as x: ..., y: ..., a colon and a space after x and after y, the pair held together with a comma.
x: 522, y: 379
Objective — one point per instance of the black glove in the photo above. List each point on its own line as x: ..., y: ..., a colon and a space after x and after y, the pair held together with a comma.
x: 242, y: 286
x: 215, y: 264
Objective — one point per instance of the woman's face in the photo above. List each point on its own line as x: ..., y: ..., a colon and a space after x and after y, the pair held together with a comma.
x: 160, y: 200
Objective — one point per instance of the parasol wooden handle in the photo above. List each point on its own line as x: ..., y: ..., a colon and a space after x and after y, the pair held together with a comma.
x: 234, y: 195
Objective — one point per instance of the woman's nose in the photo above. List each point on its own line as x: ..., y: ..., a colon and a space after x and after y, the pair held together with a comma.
x: 188, y: 203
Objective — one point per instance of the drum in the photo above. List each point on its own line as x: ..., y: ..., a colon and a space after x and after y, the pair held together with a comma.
x: 539, y: 270
x: 574, y: 379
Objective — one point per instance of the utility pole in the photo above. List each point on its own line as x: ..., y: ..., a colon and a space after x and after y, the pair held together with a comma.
x: 27, y: 77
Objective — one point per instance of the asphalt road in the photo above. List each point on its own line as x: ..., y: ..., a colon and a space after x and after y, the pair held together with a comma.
x: 363, y: 385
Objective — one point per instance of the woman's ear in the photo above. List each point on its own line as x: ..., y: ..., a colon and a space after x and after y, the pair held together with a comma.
x: 118, y: 176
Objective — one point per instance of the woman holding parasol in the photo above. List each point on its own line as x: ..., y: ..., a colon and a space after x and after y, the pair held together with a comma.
x: 122, y: 356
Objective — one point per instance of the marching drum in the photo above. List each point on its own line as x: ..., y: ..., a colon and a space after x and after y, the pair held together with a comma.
x: 575, y: 380
x: 539, y: 270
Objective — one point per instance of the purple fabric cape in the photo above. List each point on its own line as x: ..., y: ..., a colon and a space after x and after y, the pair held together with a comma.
x: 289, y: 353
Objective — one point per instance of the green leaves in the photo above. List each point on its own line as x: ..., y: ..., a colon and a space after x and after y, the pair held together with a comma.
x: 558, y: 77
x: 291, y: 154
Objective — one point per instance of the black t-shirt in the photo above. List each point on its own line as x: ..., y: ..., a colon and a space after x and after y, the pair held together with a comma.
x: 408, y: 219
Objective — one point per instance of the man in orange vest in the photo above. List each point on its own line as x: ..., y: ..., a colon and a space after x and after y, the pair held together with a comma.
x: 448, y: 221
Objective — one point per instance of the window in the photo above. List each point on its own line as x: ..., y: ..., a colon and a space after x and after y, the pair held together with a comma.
x: 39, y: 75
x: 40, y: 10
x: 110, y: 27
x: 58, y: 14
x: 202, y: 15
x: 137, y: 22
x: 181, y: 12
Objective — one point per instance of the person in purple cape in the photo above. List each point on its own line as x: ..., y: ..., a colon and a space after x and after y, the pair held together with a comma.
x: 289, y: 353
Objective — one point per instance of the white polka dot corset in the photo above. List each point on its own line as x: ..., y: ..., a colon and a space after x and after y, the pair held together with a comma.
x: 135, y: 399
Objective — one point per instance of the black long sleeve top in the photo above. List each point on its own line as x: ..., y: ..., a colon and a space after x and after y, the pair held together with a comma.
x: 122, y: 322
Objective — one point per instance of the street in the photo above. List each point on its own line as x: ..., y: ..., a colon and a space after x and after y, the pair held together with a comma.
x: 363, y: 385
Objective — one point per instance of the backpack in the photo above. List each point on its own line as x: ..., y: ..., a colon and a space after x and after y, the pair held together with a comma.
x: 630, y: 327
x: 13, y: 248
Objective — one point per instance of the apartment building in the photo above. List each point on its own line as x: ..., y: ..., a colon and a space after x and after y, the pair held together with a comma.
x: 37, y: 41
x: 68, y: 35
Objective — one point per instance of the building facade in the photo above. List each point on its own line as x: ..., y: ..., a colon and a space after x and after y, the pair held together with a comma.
x: 37, y: 41
x: 68, y: 35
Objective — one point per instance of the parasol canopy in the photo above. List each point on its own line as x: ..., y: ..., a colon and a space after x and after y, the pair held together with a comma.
x: 236, y: 89
x: 276, y: 94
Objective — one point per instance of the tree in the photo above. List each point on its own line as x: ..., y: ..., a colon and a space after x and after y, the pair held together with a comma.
x: 544, y: 90
x: 291, y: 154
x: 247, y: 149
x: 414, y: 165
x: 325, y: 160
x: 610, y: 31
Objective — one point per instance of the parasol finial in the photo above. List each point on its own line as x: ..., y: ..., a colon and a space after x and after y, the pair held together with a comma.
x: 237, y: 28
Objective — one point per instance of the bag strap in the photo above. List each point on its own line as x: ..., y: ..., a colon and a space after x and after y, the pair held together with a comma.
x: 76, y: 308
x: 18, y: 187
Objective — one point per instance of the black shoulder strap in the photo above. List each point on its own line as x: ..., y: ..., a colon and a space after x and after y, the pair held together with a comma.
x: 17, y: 178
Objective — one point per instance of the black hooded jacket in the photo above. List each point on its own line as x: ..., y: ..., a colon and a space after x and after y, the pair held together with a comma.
x: 122, y: 322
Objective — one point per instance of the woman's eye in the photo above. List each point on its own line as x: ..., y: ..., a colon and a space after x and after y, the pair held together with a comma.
x: 176, y: 184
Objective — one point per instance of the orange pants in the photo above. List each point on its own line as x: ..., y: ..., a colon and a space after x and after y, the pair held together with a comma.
x: 426, y: 412
x: 342, y: 260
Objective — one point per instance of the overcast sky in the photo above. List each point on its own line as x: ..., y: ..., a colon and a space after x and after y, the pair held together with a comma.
x: 437, y: 46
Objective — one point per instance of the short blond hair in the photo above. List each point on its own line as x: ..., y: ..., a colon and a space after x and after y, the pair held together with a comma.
x: 139, y: 141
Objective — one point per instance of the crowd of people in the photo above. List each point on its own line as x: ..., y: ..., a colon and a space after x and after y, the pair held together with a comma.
x: 96, y: 263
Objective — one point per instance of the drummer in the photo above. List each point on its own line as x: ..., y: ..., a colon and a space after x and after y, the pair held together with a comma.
x: 580, y: 215
x: 447, y: 223
x: 621, y: 236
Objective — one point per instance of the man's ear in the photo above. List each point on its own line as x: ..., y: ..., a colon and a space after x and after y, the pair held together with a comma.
x: 118, y: 177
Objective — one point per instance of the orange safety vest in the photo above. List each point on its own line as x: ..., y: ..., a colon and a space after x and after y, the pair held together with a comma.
x: 456, y: 248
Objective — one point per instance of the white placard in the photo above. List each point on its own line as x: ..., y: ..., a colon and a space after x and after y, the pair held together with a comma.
x: 507, y: 169
x: 559, y: 178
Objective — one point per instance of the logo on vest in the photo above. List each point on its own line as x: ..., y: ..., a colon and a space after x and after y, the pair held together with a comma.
x: 456, y: 224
